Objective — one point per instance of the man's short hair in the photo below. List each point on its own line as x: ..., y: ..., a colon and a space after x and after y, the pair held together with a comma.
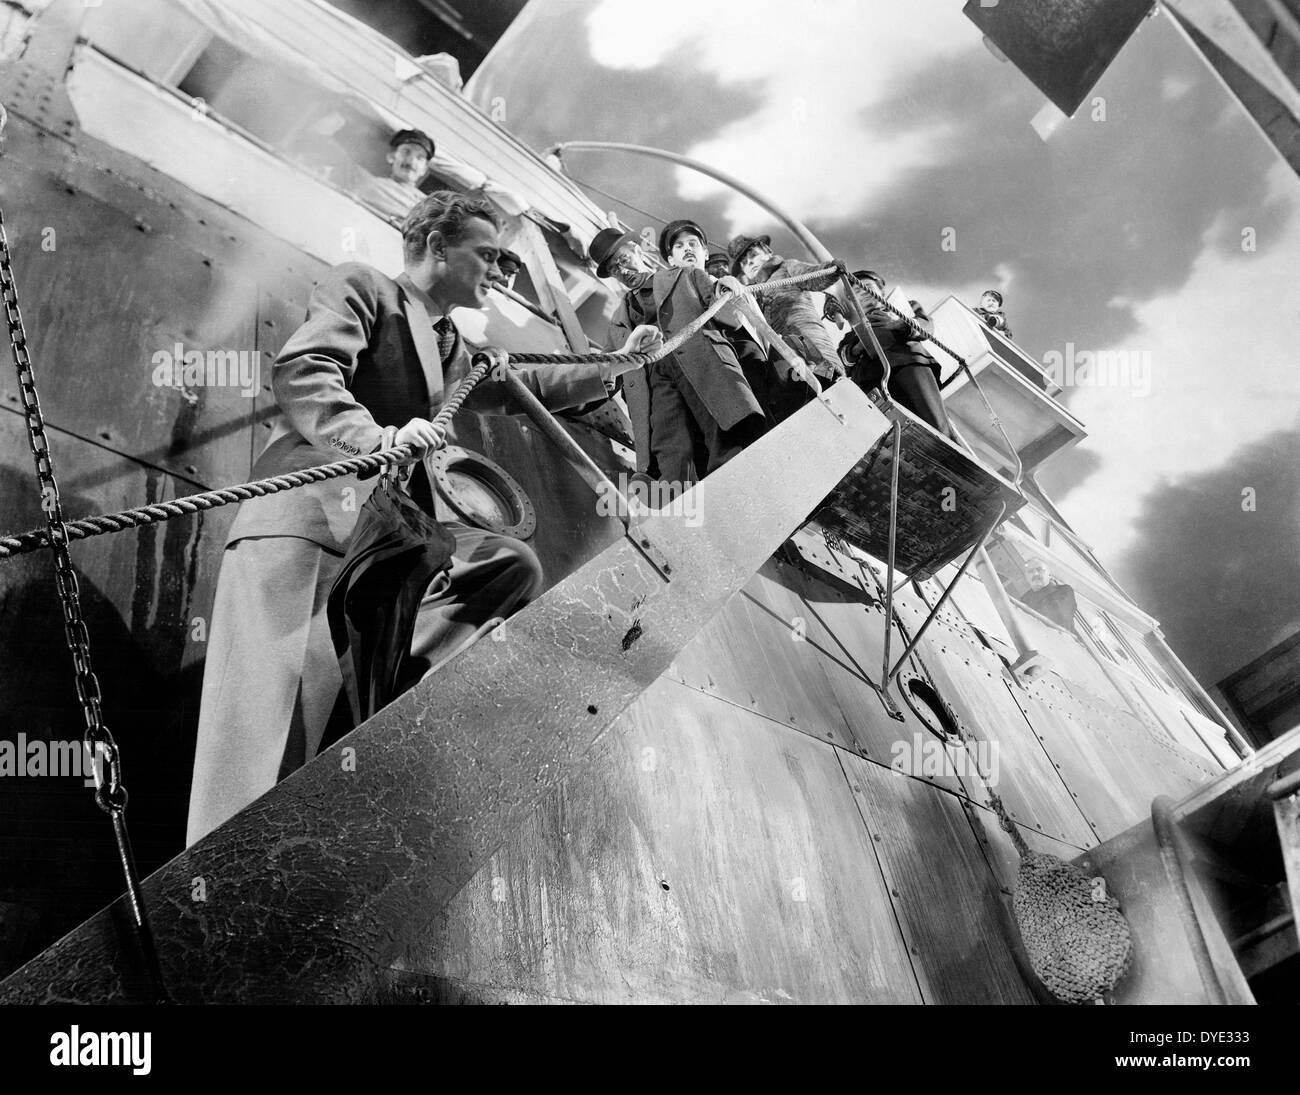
x: 446, y: 212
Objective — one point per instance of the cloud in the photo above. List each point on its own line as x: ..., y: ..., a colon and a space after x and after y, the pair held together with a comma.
x: 821, y: 69
x: 1215, y: 555
x: 1224, y: 369
x: 1123, y: 231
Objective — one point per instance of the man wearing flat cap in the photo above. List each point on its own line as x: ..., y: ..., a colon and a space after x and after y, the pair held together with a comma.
x: 409, y: 153
x: 693, y: 410
x: 990, y: 311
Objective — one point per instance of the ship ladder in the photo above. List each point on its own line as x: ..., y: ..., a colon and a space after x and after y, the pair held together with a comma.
x: 917, y: 500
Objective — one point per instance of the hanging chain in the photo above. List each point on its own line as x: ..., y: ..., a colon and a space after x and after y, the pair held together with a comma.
x: 101, y: 749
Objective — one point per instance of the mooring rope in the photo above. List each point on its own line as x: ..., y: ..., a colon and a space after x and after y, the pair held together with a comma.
x: 35, y: 539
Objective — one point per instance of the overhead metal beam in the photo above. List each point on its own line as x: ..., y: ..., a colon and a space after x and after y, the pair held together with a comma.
x: 801, y: 231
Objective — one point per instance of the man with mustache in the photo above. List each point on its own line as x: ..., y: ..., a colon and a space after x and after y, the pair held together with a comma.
x: 693, y: 410
x: 409, y: 153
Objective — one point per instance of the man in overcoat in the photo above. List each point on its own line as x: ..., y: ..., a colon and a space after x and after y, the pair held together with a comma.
x: 794, y: 313
x: 693, y: 410
x: 372, y: 352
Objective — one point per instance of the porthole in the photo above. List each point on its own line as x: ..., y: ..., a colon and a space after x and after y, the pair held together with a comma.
x: 927, y: 706
x: 481, y: 493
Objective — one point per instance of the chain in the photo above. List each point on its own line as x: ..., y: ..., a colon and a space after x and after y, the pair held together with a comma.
x: 110, y: 794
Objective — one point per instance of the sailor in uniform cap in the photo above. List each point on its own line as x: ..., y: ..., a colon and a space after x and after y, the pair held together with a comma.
x: 409, y: 153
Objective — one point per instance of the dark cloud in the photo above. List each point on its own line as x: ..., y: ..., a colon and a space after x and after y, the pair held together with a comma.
x: 1067, y: 470
x: 1110, y: 208
x: 1224, y: 581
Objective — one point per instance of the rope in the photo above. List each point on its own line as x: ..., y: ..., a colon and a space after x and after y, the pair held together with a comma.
x: 165, y: 511
x: 34, y: 540
x: 692, y: 328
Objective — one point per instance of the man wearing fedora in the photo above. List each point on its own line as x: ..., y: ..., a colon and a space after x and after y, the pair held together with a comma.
x: 693, y: 410
x: 793, y: 313
x: 372, y: 352
x: 761, y: 364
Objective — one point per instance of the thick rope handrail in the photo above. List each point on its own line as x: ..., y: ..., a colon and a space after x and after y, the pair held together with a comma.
x: 692, y: 328
x: 26, y: 542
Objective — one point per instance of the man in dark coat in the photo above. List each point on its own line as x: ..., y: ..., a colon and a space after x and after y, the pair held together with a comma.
x: 760, y: 363
x: 372, y: 352
x: 795, y: 313
x: 913, y: 373
x: 693, y: 410
x: 1048, y: 597
x: 990, y: 311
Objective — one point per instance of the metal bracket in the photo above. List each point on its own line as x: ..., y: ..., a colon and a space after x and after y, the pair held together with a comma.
x: 648, y: 548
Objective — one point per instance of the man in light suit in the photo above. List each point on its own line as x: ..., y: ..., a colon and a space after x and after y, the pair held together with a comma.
x: 693, y: 410
x: 372, y: 352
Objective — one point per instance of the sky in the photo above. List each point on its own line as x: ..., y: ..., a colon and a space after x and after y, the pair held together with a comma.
x: 1156, y: 221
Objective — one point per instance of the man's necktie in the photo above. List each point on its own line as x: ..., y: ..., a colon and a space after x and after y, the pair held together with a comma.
x: 446, y: 332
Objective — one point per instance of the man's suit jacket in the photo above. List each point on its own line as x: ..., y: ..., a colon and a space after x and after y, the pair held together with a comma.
x: 672, y: 298
x: 351, y: 369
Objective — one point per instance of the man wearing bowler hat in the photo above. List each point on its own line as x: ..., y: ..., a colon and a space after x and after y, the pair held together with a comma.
x: 693, y: 410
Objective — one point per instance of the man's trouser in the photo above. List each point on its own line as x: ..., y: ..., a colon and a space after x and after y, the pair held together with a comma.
x: 915, y: 387
x: 272, y: 677
x: 685, y: 439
